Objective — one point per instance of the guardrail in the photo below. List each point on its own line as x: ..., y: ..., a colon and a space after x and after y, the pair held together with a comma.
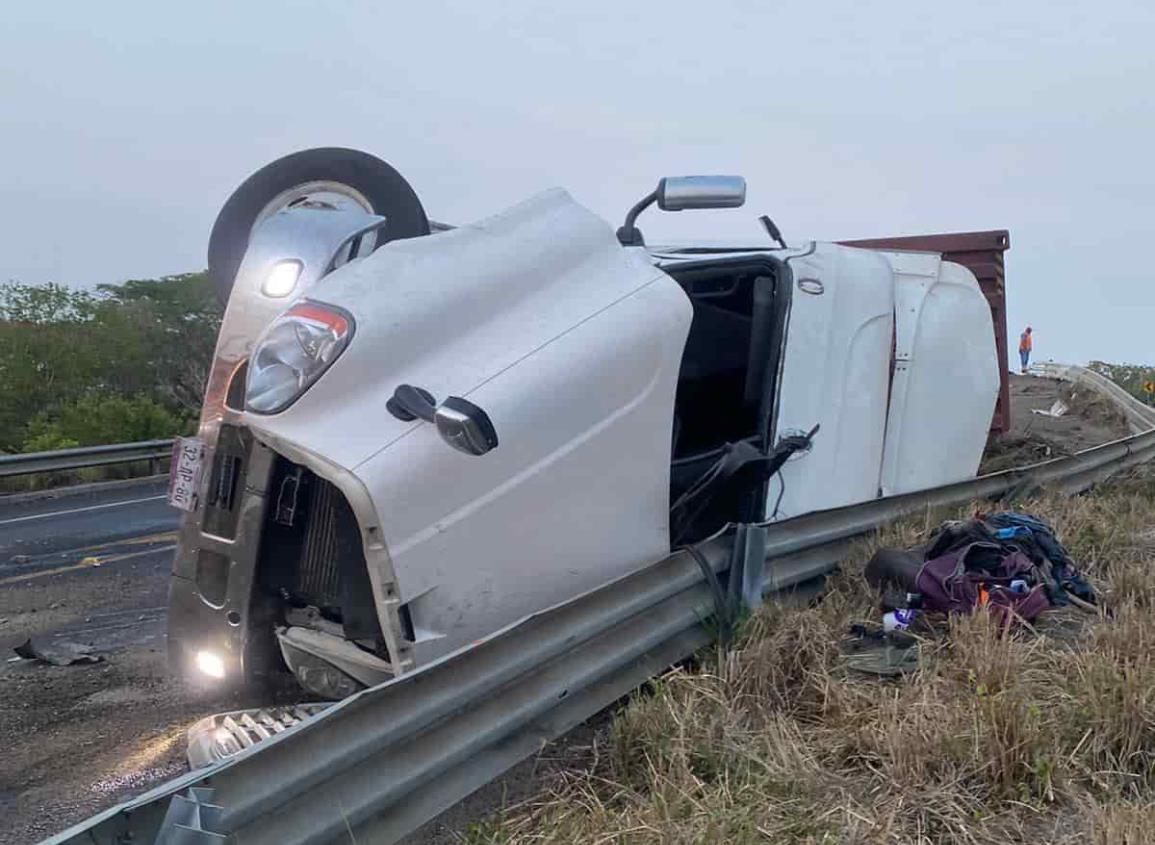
x: 378, y: 765
x: 1140, y: 416
x: 85, y: 456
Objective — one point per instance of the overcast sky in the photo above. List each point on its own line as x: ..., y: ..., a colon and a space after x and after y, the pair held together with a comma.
x: 125, y: 125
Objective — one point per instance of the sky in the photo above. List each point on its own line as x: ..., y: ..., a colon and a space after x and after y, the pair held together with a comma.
x: 125, y: 125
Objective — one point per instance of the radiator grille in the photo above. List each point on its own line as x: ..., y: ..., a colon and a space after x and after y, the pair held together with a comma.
x: 318, y: 577
x: 311, y: 553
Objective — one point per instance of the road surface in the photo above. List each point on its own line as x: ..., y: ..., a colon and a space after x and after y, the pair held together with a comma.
x: 89, y: 568
x: 47, y: 536
x: 93, y: 568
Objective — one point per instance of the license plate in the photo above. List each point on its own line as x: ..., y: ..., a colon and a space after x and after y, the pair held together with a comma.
x: 184, y: 481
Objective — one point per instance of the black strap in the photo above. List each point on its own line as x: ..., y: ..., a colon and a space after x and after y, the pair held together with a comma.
x: 723, y: 608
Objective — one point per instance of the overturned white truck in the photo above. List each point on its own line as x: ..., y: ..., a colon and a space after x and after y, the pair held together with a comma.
x: 414, y: 435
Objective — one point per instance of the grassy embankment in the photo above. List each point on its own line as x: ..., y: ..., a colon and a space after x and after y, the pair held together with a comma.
x: 1044, y: 736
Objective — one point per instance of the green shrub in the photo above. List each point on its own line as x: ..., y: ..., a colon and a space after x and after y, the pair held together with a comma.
x: 144, y: 337
x: 48, y: 441
x: 99, y: 419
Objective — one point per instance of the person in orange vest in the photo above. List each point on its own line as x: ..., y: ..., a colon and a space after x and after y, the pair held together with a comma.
x: 1025, y: 349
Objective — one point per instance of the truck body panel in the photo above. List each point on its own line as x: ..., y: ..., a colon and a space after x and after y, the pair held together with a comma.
x: 984, y: 254
x: 946, y: 375
x: 835, y: 373
x: 571, y: 345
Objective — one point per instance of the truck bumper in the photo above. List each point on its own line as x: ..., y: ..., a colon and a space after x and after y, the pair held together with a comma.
x: 218, y: 634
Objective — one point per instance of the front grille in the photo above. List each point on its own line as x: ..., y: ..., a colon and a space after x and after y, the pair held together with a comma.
x: 311, y: 553
x: 318, y: 578
x: 226, y: 482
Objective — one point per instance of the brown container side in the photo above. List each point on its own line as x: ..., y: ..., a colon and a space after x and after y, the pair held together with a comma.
x: 982, y: 254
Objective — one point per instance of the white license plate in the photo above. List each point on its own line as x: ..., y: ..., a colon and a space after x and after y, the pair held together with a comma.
x: 184, y: 481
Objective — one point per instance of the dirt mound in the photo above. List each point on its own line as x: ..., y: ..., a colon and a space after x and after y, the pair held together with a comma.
x: 1089, y: 420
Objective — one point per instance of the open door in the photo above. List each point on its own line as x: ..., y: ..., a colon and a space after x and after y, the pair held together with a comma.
x: 569, y: 344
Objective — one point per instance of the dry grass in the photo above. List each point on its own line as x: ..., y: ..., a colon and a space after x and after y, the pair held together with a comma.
x: 1047, y: 735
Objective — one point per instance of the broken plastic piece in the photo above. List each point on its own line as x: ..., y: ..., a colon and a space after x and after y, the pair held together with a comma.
x: 1058, y: 409
x: 58, y: 653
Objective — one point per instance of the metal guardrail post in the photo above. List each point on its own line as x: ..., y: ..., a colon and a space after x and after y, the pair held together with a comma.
x: 1140, y: 416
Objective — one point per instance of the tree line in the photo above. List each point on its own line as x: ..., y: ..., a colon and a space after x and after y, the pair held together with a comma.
x: 1130, y: 377
x: 127, y: 362
x: 116, y: 364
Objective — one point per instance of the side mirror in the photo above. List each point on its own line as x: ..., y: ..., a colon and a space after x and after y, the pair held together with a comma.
x: 465, y: 427
x: 677, y: 193
x: 461, y: 424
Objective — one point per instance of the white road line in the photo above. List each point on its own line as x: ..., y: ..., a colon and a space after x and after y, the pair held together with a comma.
x: 80, y: 510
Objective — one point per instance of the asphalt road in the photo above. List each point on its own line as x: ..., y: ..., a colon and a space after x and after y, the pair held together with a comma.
x: 44, y: 534
x: 91, y: 569
x: 62, y: 561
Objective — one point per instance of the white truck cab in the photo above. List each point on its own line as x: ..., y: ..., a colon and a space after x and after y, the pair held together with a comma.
x: 414, y: 436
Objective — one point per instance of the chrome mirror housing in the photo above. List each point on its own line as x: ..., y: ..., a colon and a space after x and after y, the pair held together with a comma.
x: 678, y: 193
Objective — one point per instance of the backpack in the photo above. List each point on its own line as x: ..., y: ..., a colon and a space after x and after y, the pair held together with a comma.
x: 979, y: 574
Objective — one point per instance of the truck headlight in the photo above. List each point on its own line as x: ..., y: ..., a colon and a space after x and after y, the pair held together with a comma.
x: 210, y: 664
x: 293, y: 353
x: 281, y: 279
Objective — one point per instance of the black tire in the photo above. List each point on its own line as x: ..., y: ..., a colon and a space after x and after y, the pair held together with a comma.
x: 385, y: 189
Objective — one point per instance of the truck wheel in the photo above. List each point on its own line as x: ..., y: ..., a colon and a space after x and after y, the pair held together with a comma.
x: 329, y: 174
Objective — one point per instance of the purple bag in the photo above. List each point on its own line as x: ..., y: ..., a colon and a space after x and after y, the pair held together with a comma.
x: 955, y: 582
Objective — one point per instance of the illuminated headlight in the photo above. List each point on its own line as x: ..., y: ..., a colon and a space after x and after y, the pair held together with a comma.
x: 211, y: 664
x: 293, y: 353
x: 281, y: 280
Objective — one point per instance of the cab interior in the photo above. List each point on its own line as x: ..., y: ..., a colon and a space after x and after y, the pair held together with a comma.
x: 727, y: 383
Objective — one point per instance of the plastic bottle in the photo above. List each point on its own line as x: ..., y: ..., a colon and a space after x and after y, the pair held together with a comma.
x: 898, y: 620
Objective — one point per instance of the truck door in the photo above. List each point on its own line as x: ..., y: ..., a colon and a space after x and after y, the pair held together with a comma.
x: 570, y: 345
x: 836, y: 373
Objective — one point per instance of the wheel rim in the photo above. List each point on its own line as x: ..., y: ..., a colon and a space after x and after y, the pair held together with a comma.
x: 319, y: 194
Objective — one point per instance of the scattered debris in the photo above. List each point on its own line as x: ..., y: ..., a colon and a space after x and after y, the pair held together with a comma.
x: 137, y: 780
x: 57, y: 653
x: 899, y: 619
x: 874, y: 651
x: 1034, y: 437
x: 1058, y: 409
x: 1010, y: 564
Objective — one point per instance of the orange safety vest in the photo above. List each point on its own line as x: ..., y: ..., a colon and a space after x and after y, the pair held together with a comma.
x: 1024, y: 342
